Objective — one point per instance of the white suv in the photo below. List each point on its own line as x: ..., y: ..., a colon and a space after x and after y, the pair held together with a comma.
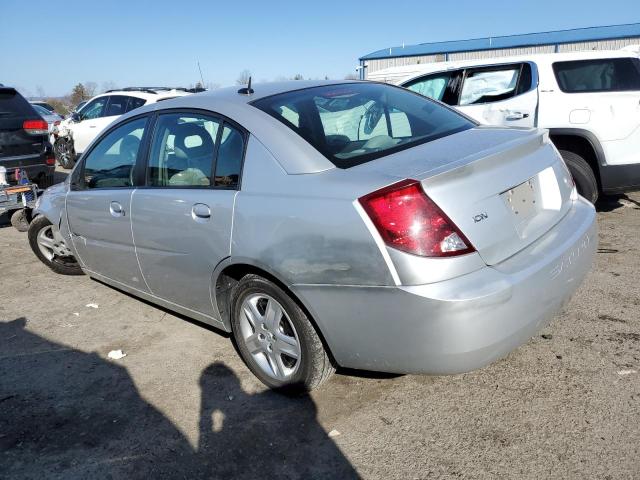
x: 74, y: 134
x: 589, y: 102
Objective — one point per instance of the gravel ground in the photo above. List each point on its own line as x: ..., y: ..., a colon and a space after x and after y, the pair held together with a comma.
x: 181, y: 404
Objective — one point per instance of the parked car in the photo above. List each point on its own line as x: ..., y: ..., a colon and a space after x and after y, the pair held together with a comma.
x: 44, y: 105
x: 589, y: 101
x: 323, y: 223
x: 52, y: 119
x: 74, y: 134
x: 24, y: 143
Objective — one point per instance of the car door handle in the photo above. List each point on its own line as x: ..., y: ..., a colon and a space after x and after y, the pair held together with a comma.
x: 116, y: 209
x: 512, y: 116
x: 200, y: 212
x: 92, y: 126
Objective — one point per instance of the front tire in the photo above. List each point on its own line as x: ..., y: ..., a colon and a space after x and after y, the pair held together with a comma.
x: 20, y: 220
x: 49, y: 247
x: 275, y: 338
x: 64, y: 152
x: 583, y: 175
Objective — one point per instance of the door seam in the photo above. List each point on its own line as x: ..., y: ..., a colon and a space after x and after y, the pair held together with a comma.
x: 133, y: 238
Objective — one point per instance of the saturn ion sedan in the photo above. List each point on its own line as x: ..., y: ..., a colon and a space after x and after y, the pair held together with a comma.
x: 327, y: 224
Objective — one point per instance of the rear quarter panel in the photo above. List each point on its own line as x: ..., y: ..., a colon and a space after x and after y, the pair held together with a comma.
x: 304, y: 228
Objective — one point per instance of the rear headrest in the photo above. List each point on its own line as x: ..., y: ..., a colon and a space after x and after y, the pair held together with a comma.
x: 186, y: 130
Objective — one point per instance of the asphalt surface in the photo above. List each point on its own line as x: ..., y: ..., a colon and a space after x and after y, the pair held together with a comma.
x: 181, y: 404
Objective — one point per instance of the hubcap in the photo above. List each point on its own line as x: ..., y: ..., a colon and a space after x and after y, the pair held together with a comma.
x: 51, y: 243
x: 270, y: 336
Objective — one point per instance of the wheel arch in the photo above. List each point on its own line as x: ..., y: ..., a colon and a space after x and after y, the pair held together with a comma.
x: 584, y: 143
x: 229, y: 272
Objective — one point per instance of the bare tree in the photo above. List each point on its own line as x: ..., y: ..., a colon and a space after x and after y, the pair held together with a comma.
x: 212, y: 85
x: 244, y: 77
x: 297, y: 76
x: 40, y: 92
x: 108, y: 85
x: 91, y: 88
x: 351, y: 76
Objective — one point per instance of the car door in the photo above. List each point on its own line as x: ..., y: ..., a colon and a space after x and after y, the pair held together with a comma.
x: 182, y: 218
x: 98, y: 205
x: 86, y: 127
x: 500, y: 94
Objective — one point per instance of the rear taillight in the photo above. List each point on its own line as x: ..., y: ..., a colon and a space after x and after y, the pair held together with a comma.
x: 50, y: 161
x: 408, y: 220
x: 35, y: 127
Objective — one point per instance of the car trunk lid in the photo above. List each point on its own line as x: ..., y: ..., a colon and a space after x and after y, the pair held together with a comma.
x: 504, y: 188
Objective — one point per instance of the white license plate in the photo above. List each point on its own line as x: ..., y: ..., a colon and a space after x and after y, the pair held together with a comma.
x: 522, y: 200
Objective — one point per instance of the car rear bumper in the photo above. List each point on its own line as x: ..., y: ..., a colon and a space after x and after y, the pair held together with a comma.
x: 460, y: 324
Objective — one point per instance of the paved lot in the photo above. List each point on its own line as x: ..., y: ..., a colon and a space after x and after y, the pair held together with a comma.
x: 182, y: 405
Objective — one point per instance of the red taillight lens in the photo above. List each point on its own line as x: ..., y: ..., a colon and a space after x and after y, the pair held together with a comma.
x: 50, y: 161
x: 35, y: 127
x: 407, y: 219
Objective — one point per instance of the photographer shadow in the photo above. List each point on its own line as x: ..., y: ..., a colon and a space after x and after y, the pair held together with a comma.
x: 66, y: 414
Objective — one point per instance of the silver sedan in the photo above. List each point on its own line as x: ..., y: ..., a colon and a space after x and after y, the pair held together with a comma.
x: 327, y: 224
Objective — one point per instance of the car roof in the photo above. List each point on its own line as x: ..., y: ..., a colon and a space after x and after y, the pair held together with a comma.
x: 294, y: 153
x: 146, y: 95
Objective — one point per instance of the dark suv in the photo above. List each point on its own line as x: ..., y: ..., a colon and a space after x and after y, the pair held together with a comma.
x: 24, y: 140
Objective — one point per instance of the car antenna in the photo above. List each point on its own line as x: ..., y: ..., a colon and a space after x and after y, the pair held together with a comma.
x: 246, y: 90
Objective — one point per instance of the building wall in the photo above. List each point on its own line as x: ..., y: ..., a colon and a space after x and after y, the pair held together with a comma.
x: 379, y: 64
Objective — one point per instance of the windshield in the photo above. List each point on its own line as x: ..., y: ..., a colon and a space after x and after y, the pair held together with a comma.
x: 41, y: 110
x: 354, y: 123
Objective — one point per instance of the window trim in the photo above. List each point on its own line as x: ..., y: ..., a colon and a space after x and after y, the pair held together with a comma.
x: 142, y: 178
x: 464, y: 70
x: 590, y: 60
x: 79, y: 184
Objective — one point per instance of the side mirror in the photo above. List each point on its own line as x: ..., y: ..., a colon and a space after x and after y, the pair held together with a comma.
x: 75, y: 116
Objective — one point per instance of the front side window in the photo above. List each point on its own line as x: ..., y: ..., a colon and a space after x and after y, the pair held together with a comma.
x: 94, y: 108
x: 601, y: 75
x: 489, y: 85
x: 357, y: 122
x: 440, y: 86
x: 111, y: 163
x: 183, y: 150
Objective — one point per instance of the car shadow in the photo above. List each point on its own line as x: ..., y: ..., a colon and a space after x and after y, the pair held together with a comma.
x: 609, y: 203
x: 65, y: 413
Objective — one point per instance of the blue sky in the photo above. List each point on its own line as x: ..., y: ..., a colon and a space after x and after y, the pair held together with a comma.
x: 159, y: 42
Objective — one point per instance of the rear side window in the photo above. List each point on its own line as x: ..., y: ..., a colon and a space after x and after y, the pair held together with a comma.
x: 135, y: 102
x: 111, y: 163
x: 117, y: 105
x: 13, y: 105
x: 440, y: 86
x: 493, y: 84
x: 229, y: 161
x: 183, y: 150
x: 357, y: 122
x: 601, y: 75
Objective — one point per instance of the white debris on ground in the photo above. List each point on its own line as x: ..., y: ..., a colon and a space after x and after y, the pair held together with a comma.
x: 333, y: 433
x: 92, y: 305
x: 627, y: 372
x: 116, y: 354
x: 77, y: 314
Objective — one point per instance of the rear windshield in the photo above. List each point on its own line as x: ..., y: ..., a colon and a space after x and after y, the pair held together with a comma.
x: 601, y: 75
x: 354, y: 123
x: 13, y: 105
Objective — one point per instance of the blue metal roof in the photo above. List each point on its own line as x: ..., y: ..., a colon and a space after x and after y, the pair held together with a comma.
x: 511, y: 41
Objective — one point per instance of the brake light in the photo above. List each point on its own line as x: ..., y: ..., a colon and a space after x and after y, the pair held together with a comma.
x: 50, y: 161
x: 35, y: 127
x: 408, y: 220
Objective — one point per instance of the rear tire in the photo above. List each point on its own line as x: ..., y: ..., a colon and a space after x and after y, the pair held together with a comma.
x: 20, y: 220
x: 583, y: 175
x: 44, y: 244
x: 275, y: 338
